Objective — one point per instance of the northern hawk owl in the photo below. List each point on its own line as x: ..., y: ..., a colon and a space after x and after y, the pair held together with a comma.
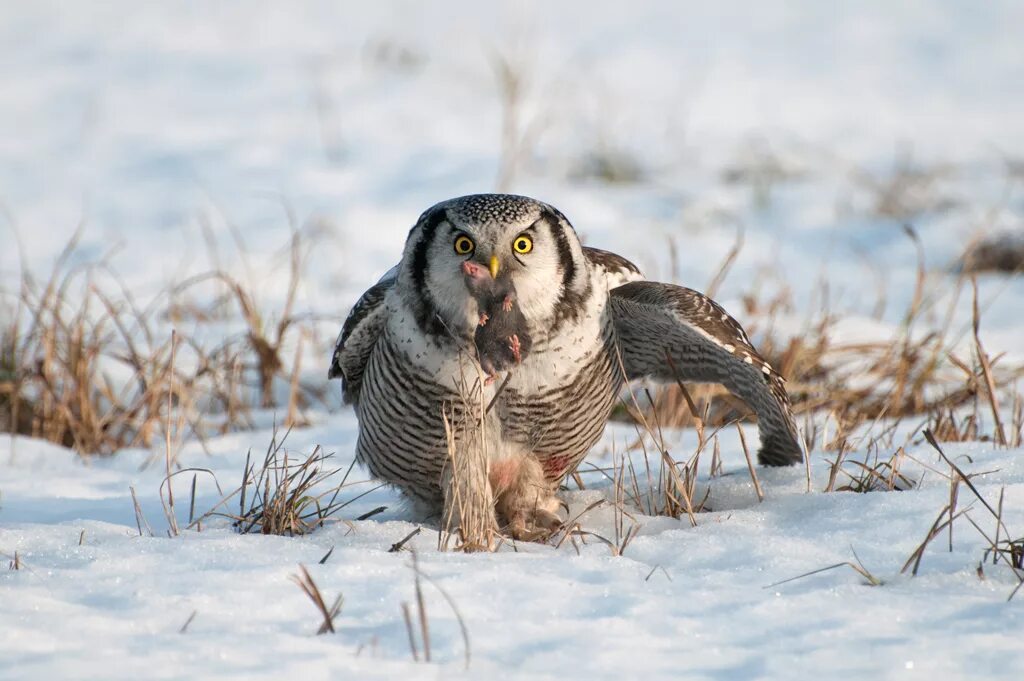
x: 496, y: 292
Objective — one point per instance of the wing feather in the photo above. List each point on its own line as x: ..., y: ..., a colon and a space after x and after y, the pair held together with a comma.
x: 358, y: 337
x: 613, y: 268
x: 670, y: 333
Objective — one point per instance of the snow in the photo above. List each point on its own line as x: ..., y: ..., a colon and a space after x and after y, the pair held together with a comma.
x: 146, y: 122
x: 693, y: 601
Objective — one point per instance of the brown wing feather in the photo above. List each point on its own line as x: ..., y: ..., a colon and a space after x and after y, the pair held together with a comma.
x: 657, y: 322
x: 616, y: 269
x: 358, y: 336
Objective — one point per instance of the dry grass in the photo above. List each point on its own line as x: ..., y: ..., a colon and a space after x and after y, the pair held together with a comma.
x: 856, y: 565
x: 920, y: 379
x: 286, y: 495
x: 84, y: 366
x: 469, y: 510
x: 259, y: 351
x: 1001, y: 549
x: 920, y: 374
x: 874, y: 474
x: 63, y: 341
x: 1002, y: 253
x: 328, y: 614
x: 418, y: 628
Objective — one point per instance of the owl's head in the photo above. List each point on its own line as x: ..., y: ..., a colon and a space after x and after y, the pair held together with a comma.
x: 464, y: 250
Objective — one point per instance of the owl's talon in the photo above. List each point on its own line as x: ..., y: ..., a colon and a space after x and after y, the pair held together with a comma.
x: 538, y: 525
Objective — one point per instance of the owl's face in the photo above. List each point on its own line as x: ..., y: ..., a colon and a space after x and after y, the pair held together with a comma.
x: 464, y: 252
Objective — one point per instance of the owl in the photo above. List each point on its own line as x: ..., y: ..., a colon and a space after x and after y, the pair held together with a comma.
x: 498, y: 315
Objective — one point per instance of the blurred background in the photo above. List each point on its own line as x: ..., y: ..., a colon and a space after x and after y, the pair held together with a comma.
x: 819, y: 167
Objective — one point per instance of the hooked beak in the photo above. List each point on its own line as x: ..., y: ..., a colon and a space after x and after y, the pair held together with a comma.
x: 494, y: 266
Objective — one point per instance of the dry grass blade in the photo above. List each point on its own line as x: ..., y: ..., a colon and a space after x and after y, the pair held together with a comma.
x: 305, y: 582
x: 372, y: 512
x: 670, y: 484
x: 655, y: 568
x: 400, y: 544
x: 986, y: 366
x: 421, y: 609
x: 407, y: 616
x: 914, y: 561
x: 750, y: 464
x: 963, y: 476
x: 573, y: 523
x: 184, y: 627
x: 172, y: 520
x: 857, y: 567
x: 140, y: 519
x: 423, y: 620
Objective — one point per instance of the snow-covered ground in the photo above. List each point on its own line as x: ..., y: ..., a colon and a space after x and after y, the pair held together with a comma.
x: 818, y: 128
x: 95, y: 599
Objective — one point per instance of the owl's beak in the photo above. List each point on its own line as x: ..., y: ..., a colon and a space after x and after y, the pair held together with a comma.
x: 493, y: 266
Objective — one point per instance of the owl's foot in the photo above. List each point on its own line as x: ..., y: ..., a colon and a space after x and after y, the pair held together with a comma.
x: 535, y: 525
x: 525, y: 501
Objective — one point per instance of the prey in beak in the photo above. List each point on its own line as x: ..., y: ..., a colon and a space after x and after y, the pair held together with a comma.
x: 502, y: 338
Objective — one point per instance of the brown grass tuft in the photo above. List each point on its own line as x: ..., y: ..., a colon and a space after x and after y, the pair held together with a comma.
x: 84, y: 366
x: 283, y: 496
x: 469, y: 505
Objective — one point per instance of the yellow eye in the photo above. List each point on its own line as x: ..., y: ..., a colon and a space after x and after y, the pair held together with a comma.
x: 522, y: 244
x: 464, y: 245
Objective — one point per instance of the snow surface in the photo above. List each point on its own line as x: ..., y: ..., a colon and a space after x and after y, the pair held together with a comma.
x: 681, y: 602
x: 145, y: 122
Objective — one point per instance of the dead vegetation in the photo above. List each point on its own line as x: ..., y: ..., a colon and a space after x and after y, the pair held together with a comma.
x: 64, y: 339
x: 84, y: 365
x: 933, y: 380
x: 1001, y: 549
x: 1001, y: 253
x: 926, y: 371
x: 468, y: 522
x: 418, y: 628
x: 328, y: 614
x: 286, y: 495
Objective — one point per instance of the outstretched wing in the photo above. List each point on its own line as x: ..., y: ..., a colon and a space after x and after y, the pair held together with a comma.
x: 671, y: 333
x: 359, y: 334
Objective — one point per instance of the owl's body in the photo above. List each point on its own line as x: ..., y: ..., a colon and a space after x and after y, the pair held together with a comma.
x: 412, y: 357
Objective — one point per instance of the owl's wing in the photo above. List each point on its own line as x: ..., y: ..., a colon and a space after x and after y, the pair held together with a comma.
x: 613, y: 268
x: 670, y: 333
x: 358, y: 335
